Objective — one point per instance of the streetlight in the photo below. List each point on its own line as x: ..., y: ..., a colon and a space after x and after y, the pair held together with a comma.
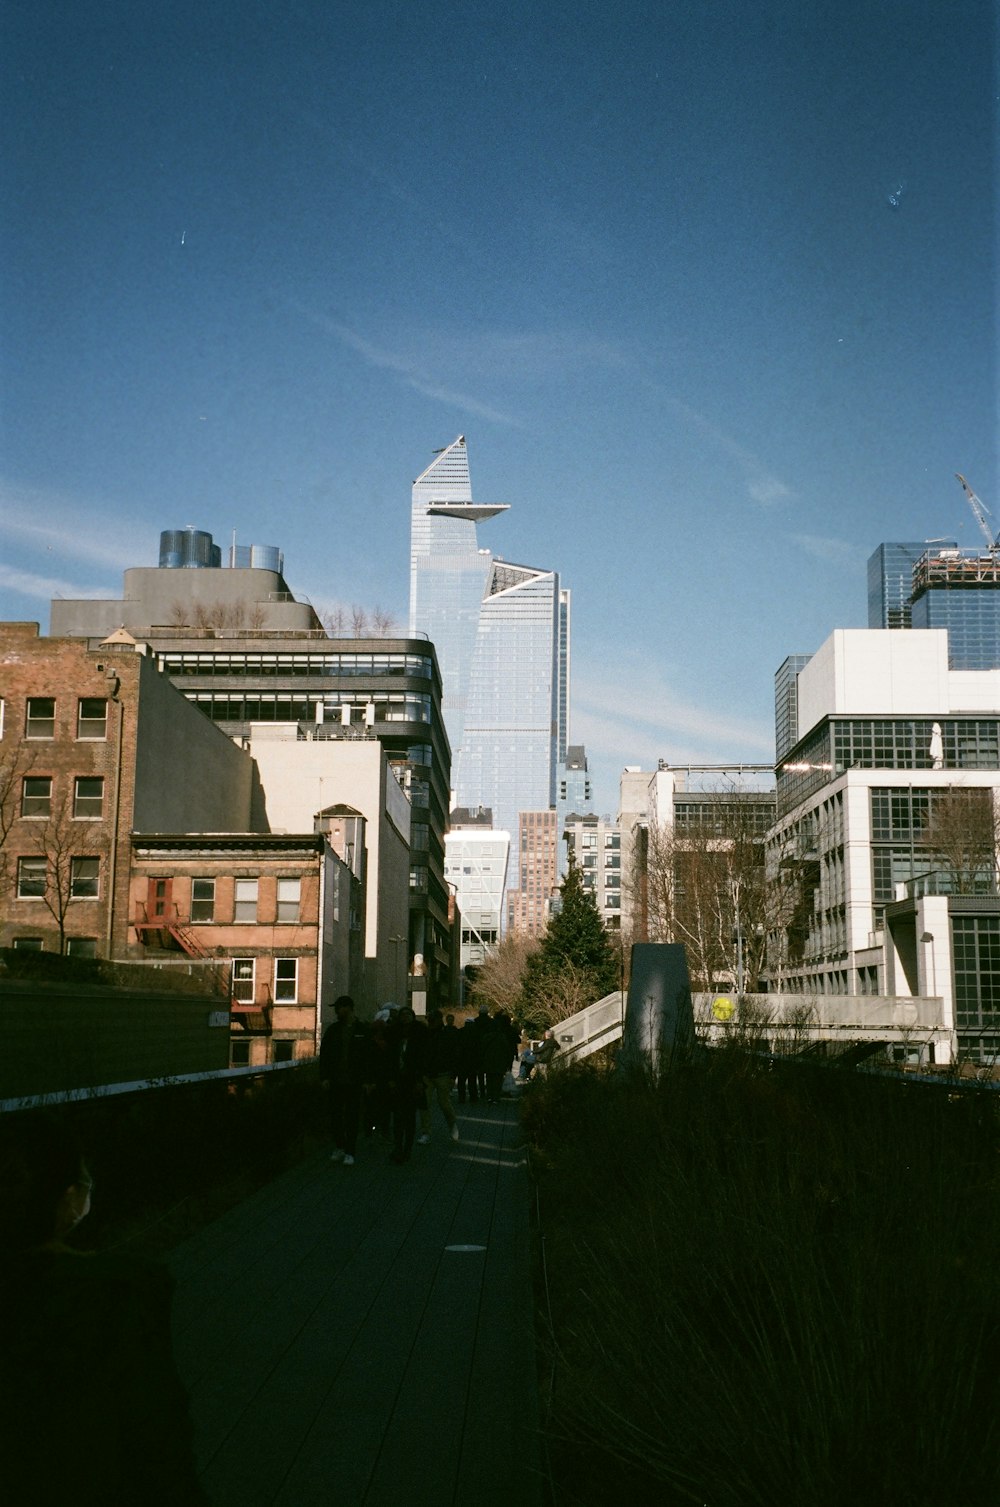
x: 400, y: 994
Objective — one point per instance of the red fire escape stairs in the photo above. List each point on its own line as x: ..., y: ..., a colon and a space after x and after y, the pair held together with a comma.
x: 154, y: 931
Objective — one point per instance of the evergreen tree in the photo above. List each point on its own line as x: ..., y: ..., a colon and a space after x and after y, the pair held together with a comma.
x: 576, y: 963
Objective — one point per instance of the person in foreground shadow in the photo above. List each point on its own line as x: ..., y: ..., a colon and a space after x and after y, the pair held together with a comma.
x: 92, y: 1410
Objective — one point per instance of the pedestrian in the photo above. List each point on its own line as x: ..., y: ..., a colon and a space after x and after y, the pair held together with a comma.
x: 405, y: 1082
x: 496, y: 1055
x: 92, y: 1410
x: 546, y: 1051
x: 440, y: 1065
x: 469, y: 1058
x: 343, y: 1061
x: 482, y: 1026
x: 376, y: 1108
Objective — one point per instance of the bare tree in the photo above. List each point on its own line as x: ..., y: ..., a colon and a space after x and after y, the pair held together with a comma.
x: 383, y: 623
x: 359, y: 621
x: 69, y: 875
x: 706, y: 886
x: 962, y: 831
x: 335, y: 622
x: 499, y: 979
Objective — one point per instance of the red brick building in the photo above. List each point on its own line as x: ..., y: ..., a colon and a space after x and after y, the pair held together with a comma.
x: 96, y: 744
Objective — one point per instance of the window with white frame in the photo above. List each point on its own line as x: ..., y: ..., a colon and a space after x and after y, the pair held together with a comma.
x: 82, y: 947
x: 202, y: 899
x: 286, y: 980
x: 84, y: 878
x: 32, y: 875
x: 40, y: 717
x: 36, y: 795
x: 28, y: 944
x: 245, y: 904
x: 88, y: 797
x: 289, y: 897
x: 92, y: 717
x: 243, y: 979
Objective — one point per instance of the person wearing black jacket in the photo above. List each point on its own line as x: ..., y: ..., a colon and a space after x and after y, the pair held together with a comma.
x: 343, y: 1063
x: 406, y: 1083
x: 440, y: 1067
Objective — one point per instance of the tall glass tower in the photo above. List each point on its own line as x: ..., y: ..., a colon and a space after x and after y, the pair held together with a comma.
x: 502, y: 637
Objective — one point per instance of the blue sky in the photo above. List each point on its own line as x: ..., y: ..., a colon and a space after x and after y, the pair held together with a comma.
x: 710, y: 289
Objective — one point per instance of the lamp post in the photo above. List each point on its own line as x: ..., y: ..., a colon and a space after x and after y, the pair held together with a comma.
x: 398, y: 986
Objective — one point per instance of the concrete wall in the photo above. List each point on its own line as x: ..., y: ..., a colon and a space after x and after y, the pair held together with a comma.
x: 876, y: 672
x: 303, y: 777
x: 61, y: 1037
x: 189, y: 776
x: 230, y: 598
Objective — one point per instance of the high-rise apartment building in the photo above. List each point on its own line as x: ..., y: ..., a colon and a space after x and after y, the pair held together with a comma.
x: 529, y: 903
x: 501, y: 632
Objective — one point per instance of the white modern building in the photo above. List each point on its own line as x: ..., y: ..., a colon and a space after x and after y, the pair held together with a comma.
x: 887, y: 740
x: 475, y: 862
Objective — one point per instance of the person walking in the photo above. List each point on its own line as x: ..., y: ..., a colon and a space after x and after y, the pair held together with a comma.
x: 469, y: 1060
x: 440, y: 1066
x: 405, y: 1082
x: 343, y: 1061
x: 496, y: 1056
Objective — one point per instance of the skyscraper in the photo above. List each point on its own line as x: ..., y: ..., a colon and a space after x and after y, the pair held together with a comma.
x: 937, y: 585
x: 502, y: 637
x: 890, y: 584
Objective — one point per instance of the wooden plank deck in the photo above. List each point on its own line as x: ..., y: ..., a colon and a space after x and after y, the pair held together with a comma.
x: 340, y: 1345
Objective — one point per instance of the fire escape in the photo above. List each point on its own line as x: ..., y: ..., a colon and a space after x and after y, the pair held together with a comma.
x: 172, y: 933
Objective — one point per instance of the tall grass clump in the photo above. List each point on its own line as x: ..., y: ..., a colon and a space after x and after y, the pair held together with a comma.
x: 768, y: 1286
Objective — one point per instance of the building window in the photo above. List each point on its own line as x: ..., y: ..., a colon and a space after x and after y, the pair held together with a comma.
x: 36, y: 795
x: 243, y: 979
x: 289, y: 894
x: 32, y: 874
x: 239, y: 1054
x: 202, y: 899
x: 92, y: 717
x: 245, y: 907
x: 286, y: 980
x: 283, y: 1051
x: 84, y: 878
x: 88, y: 797
x: 27, y: 944
x: 40, y: 721
x: 82, y: 947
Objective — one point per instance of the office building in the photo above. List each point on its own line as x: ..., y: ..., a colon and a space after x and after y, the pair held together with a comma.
x: 476, y: 857
x: 244, y: 651
x: 890, y: 740
x: 529, y: 902
x: 502, y: 636
x: 596, y: 844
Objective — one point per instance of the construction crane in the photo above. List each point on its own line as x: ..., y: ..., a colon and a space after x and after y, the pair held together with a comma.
x: 982, y: 514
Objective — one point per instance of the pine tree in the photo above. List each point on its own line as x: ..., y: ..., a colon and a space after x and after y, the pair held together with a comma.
x: 576, y: 963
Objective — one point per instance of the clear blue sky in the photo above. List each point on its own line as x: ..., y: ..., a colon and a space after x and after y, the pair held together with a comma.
x: 710, y: 289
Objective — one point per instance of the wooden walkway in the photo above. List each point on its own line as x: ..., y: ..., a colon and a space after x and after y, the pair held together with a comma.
x: 364, y: 1335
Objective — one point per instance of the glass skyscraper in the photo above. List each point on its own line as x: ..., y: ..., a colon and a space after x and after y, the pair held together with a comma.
x: 502, y: 637
x: 954, y: 589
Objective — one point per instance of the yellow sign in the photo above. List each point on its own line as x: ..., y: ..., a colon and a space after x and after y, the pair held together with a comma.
x: 723, y: 1008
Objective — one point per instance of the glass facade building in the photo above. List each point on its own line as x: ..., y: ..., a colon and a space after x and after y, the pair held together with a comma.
x: 501, y: 632
x: 890, y: 583
x: 971, y: 615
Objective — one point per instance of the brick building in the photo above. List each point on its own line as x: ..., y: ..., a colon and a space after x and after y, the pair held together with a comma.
x: 95, y: 743
x: 284, y: 914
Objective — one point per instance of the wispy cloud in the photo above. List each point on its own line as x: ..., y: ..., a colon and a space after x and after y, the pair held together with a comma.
x: 763, y: 486
x: 409, y: 371
x: 639, y: 718
x: 71, y: 527
x: 27, y: 584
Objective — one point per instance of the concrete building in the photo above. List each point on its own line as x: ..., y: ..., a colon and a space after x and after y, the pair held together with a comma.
x: 596, y: 844
x: 241, y: 648
x: 95, y: 744
x: 888, y: 738
x: 300, y: 768
x: 476, y: 857
x: 502, y: 634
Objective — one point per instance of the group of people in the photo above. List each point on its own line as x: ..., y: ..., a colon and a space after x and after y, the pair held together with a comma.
x: 387, y: 1075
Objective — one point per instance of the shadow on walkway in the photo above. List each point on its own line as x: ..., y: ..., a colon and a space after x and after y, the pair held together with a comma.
x: 364, y: 1335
